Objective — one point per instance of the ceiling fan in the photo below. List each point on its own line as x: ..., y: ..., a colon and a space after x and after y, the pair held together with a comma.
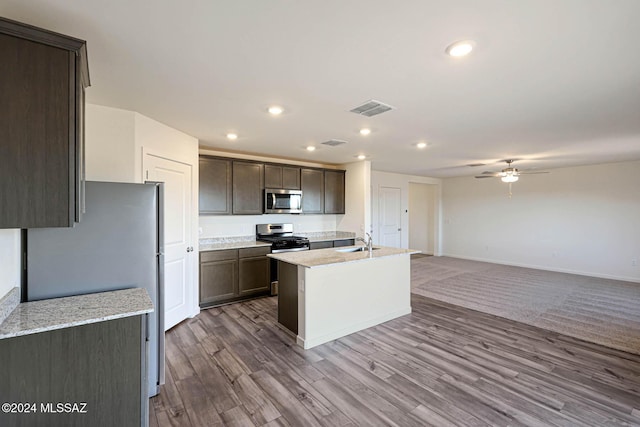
x: 508, y: 174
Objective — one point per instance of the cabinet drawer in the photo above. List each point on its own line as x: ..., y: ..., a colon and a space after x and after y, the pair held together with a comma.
x: 218, y: 255
x: 251, y: 252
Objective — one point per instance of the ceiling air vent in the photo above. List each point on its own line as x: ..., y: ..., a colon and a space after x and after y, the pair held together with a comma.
x: 372, y: 108
x: 334, y: 142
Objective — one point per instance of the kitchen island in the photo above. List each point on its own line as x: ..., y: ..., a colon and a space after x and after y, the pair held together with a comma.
x: 326, y: 294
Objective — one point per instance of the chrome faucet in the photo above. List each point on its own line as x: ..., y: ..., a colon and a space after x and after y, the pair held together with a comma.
x: 368, y: 242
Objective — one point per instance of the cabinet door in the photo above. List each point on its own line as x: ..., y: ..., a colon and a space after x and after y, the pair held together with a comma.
x: 333, y: 192
x: 312, y: 184
x: 101, y: 364
x: 321, y: 245
x: 218, y: 280
x: 290, y: 178
x: 248, y: 186
x: 215, y: 186
x: 254, y: 275
x: 41, y: 130
x: 344, y: 242
x: 272, y: 176
x: 37, y: 170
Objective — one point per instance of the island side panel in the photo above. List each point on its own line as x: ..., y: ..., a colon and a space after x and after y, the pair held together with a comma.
x: 340, y: 299
x: 288, y: 295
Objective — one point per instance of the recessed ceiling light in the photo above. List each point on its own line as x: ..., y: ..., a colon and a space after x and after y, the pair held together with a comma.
x: 421, y: 145
x: 232, y: 136
x: 365, y: 131
x: 361, y: 157
x: 461, y: 48
x: 275, y: 110
x: 311, y: 148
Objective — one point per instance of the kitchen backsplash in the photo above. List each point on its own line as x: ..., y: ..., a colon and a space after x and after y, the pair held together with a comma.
x: 216, y: 226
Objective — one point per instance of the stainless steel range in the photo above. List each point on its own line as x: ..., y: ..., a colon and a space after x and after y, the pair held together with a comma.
x: 282, y: 240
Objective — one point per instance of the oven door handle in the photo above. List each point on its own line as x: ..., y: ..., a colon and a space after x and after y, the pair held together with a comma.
x: 278, y: 251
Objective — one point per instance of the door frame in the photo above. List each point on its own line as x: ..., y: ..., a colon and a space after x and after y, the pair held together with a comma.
x: 192, y: 264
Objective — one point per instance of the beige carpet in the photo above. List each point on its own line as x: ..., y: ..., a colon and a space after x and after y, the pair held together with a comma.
x: 602, y: 311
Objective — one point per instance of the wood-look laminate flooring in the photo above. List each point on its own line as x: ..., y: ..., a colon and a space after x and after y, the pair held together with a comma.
x: 442, y: 365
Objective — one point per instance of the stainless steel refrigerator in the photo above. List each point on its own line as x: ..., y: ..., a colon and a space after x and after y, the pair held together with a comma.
x: 117, y: 245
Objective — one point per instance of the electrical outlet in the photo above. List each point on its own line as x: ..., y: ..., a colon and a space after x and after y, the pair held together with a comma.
x: 634, y: 262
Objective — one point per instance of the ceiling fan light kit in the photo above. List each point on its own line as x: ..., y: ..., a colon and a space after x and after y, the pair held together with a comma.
x: 508, y: 174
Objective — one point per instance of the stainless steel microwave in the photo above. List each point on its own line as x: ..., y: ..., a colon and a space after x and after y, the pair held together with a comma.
x: 278, y: 201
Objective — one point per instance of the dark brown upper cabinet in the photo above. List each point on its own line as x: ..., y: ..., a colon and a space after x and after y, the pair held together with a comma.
x: 277, y: 176
x: 334, y: 191
x: 215, y: 186
x: 312, y: 184
x: 248, y: 186
x: 43, y: 76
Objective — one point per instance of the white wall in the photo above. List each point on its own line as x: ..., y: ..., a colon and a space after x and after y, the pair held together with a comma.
x: 110, y: 144
x: 245, y: 225
x: 357, y: 217
x: 583, y: 220
x: 387, y: 179
x: 9, y: 260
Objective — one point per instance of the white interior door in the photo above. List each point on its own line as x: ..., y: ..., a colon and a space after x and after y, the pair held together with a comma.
x: 390, y: 217
x: 178, y: 251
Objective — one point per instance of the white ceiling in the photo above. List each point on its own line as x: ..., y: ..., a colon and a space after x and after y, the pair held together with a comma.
x: 552, y: 82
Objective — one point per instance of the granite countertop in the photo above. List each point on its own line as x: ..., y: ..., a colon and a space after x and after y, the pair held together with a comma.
x: 221, y: 245
x: 58, y: 313
x: 326, y: 257
x: 324, y: 236
x: 238, y: 242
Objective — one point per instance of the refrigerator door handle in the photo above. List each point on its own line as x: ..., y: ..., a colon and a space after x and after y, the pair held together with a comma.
x: 161, y: 351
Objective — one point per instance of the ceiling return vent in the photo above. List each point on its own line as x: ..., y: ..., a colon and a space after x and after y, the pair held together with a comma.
x: 372, y: 108
x: 334, y: 142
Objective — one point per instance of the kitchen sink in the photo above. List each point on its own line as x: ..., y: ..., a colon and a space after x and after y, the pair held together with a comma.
x: 358, y: 249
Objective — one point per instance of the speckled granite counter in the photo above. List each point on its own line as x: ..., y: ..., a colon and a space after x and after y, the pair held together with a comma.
x: 221, y: 243
x: 324, y: 236
x: 57, y: 313
x: 237, y: 242
x: 324, y: 257
x: 8, y: 303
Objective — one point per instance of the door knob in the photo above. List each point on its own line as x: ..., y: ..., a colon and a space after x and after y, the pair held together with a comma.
x: 190, y: 249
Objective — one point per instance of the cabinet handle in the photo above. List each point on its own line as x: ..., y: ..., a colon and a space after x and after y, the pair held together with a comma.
x: 190, y: 249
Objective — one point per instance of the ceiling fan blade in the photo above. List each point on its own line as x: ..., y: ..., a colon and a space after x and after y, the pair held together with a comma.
x: 488, y: 173
x: 486, y: 176
x: 532, y: 172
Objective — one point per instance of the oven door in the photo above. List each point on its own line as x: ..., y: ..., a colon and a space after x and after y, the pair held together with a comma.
x: 282, y: 201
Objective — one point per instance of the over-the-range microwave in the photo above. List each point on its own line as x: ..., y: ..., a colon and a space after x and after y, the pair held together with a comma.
x: 278, y: 201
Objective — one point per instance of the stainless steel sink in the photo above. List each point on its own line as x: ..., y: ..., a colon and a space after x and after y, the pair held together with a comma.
x: 358, y: 249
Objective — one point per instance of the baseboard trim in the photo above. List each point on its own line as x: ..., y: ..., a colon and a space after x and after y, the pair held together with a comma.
x: 544, y: 268
x: 315, y: 341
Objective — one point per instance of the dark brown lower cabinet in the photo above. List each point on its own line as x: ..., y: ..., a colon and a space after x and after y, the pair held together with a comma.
x: 233, y: 274
x: 254, y: 271
x: 288, y: 296
x: 332, y: 243
x: 321, y: 245
x: 343, y: 242
x: 218, y: 276
x: 89, y: 375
